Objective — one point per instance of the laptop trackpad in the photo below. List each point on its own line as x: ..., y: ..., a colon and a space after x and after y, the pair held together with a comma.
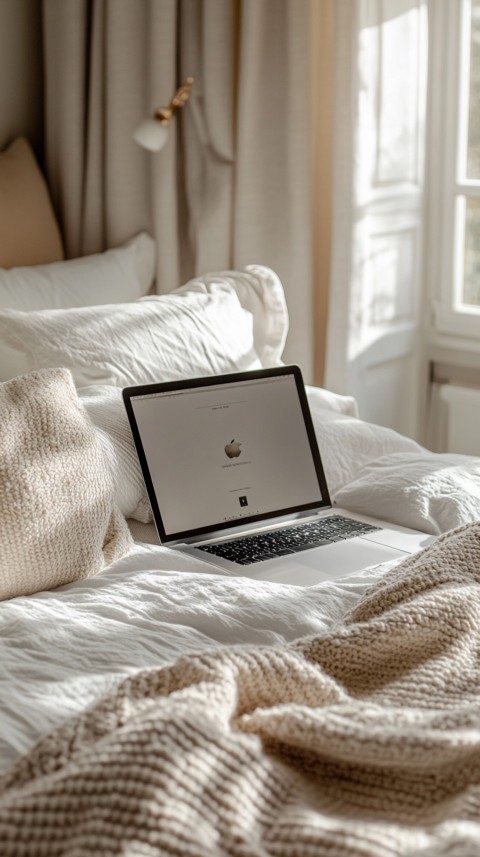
x: 324, y: 563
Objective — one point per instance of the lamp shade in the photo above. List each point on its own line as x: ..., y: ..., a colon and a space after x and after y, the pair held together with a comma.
x: 151, y: 134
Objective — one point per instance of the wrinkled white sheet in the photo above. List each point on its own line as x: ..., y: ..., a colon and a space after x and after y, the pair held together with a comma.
x: 63, y: 649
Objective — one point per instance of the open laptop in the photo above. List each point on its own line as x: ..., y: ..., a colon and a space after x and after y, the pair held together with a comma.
x: 235, y: 477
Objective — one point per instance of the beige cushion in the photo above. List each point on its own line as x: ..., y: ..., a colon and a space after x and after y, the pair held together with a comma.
x: 29, y: 232
x: 59, y: 521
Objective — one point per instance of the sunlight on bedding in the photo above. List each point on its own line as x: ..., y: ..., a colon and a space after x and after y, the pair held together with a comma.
x: 64, y: 649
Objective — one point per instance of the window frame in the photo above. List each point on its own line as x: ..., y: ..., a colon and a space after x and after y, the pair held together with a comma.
x: 447, y: 152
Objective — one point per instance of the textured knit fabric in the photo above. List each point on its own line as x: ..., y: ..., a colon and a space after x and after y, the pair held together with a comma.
x: 58, y: 518
x: 361, y: 741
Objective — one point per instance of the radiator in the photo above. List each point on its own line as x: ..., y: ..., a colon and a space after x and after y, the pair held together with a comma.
x: 459, y: 416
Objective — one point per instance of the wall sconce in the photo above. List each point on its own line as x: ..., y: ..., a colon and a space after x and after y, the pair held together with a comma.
x: 152, y: 133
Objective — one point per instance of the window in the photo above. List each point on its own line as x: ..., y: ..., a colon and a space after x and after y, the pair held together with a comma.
x: 455, y: 165
x: 470, y: 294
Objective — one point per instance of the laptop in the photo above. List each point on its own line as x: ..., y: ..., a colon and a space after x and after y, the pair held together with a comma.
x: 235, y: 478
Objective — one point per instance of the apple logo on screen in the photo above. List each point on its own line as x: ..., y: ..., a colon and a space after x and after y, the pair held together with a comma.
x: 233, y: 449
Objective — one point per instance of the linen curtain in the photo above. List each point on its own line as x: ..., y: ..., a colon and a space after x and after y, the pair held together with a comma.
x: 233, y: 184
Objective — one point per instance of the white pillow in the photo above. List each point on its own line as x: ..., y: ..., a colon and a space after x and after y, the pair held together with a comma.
x: 426, y: 491
x: 104, y: 405
x: 260, y: 291
x: 121, y: 274
x: 191, y: 333
x: 347, y: 443
x: 321, y: 399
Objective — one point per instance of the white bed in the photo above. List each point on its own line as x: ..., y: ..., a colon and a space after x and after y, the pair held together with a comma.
x: 64, y: 648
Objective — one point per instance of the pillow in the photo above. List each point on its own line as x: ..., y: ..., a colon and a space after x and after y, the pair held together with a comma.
x: 29, y: 233
x: 162, y: 337
x: 58, y: 518
x: 121, y: 274
x: 104, y: 405
x: 319, y: 398
x: 347, y: 443
x: 259, y: 291
x: 426, y: 491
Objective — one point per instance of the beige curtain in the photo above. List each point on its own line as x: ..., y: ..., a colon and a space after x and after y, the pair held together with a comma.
x: 322, y: 35
x: 233, y: 184
x: 21, y: 90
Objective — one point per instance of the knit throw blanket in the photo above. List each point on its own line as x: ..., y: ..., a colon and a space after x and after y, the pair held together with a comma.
x: 361, y: 741
x: 59, y: 520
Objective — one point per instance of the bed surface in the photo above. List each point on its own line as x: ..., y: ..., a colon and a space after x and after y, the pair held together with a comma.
x: 63, y: 649
x: 360, y: 738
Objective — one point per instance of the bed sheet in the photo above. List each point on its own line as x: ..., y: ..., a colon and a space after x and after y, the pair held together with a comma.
x: 64, y: 649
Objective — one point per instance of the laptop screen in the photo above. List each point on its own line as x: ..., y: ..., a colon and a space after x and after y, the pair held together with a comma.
x: 220, y: 452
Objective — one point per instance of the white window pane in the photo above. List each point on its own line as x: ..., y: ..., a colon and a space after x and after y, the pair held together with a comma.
x: 471, y: 282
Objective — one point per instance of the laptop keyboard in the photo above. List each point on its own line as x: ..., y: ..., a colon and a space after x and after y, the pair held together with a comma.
x: 300, y: 537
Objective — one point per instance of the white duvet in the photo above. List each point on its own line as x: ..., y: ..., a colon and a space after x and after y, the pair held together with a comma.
x: 61, y: 650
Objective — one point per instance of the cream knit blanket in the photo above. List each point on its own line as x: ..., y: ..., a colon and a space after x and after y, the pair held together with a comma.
x: 59, y: 520
x: 362, y: 741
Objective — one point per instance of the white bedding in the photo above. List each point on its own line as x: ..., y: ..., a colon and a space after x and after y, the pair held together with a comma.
x: 63, y: 649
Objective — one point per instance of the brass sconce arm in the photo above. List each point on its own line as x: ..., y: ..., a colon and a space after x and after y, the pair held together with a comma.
x: 164, y: 114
